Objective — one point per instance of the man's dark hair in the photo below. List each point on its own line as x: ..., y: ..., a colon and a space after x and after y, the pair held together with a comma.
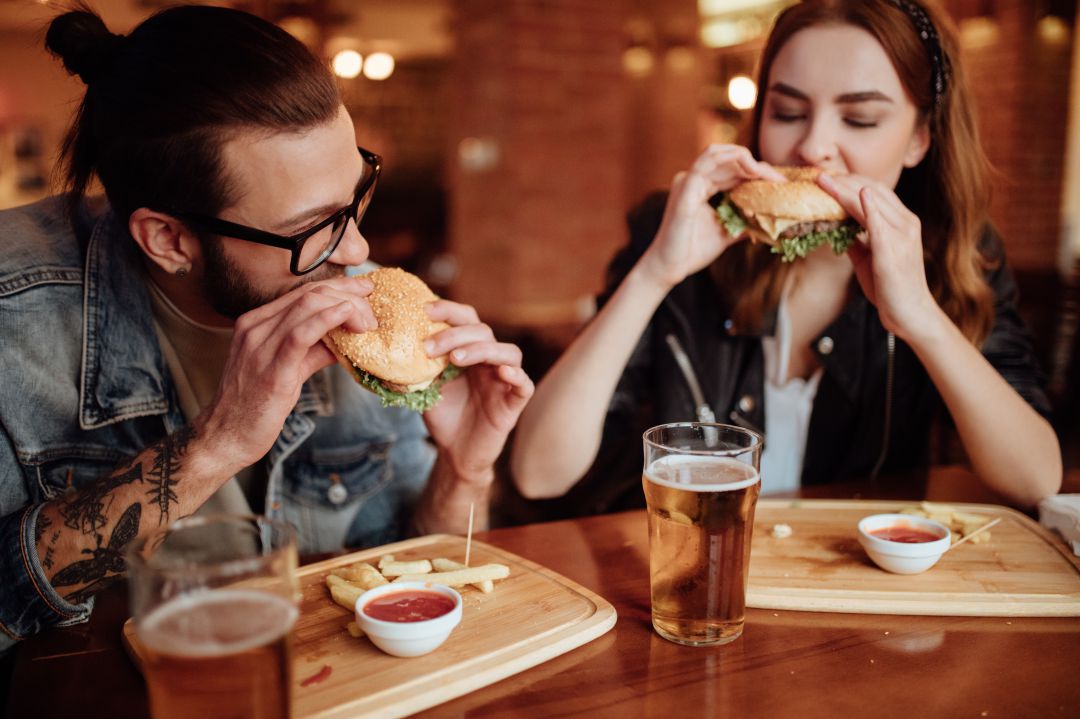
x: 161, y: 102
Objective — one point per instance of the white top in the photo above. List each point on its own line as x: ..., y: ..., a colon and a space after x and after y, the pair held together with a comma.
x: 788, y: 405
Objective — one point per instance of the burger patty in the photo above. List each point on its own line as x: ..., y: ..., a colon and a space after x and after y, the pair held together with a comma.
x: 807, y: 228
x: 404, y: 389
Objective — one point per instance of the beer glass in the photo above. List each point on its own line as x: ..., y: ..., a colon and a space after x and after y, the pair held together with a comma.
x: 214, y: 600
x: 701, y: 486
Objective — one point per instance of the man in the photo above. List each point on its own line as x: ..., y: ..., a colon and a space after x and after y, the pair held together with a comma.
x: 153, y: 365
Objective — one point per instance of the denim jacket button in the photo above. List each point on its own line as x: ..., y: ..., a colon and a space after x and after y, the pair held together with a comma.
x: 337, y: 493
x: 825, y: 345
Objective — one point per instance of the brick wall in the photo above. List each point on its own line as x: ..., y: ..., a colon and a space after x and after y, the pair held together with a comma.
x: 537, y: 92
x: 1020, y: 79
x: 578, y: 140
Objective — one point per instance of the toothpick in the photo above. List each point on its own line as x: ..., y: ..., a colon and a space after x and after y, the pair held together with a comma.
x: 980, y: 529
x: 468, y: 537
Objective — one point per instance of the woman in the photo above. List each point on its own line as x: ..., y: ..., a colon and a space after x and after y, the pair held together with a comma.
x: 842, y: 361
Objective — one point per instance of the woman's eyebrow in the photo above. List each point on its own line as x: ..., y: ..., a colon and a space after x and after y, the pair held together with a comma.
x: 846, y: 99
x: 865, y: 96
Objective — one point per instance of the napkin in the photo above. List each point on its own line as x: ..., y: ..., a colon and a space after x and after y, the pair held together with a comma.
x: 1062, y: 512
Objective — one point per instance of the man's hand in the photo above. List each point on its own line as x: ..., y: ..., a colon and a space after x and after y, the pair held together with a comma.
x: 275, y: 349
x: 478, y: 409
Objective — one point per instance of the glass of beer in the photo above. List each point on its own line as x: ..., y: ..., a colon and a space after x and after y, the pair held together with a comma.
x: 701, y: 486
x: 214, y: 600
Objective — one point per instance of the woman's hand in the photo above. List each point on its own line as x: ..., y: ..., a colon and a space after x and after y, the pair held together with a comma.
x: 690, y: 236
x: 478, y: 410
x: 888, y: 257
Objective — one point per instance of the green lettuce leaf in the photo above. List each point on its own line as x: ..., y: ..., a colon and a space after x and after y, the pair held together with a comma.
x: 730, y: 217
x: 419, y: 401
x: 839, y: 239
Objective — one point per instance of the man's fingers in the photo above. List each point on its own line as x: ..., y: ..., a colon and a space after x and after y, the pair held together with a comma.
x: 454, y: 313
x: 493, y: 353
x: 521, y: 385
x: 442, y: 342
x: 302, y: 327
x: 354, y: 286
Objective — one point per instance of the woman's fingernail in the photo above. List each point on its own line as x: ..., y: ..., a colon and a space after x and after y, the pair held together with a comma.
x: 458, y: 355
x: 429, y: 347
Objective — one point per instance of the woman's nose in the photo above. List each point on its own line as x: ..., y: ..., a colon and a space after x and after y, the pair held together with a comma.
x: 818, y: 146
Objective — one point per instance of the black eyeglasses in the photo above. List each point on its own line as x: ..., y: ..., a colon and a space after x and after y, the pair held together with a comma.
x: 313, y: 246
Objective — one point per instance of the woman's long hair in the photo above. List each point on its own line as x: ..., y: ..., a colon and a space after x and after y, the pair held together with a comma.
x: 948, y: 190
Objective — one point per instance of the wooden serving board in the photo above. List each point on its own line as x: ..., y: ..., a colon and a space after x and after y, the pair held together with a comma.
x: 532, y: 616
x: 1022, y: 571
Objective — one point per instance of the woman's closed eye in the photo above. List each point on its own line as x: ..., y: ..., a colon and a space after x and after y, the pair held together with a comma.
x: 781, y: 116
x: 861, y: 122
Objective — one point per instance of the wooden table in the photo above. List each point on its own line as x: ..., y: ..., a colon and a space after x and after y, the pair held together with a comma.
x: 787, y: 664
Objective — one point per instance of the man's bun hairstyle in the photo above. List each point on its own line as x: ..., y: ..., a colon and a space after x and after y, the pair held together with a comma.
x: 161, y: 102
x: 86, y: 47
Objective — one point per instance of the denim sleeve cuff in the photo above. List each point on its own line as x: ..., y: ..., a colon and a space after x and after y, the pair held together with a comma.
x: 28, y: 602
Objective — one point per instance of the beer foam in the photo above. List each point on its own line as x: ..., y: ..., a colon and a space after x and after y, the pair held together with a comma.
x: 217, y: 623
x: 699, y: 473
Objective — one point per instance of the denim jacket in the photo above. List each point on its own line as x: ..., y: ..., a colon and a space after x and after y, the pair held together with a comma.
x: 85, y: 387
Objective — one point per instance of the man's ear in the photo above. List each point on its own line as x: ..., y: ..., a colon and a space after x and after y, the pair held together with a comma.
x: 164, y: 240
x: 918, y: 146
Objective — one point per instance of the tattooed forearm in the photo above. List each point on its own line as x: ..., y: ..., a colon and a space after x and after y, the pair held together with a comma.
x: 71, y: 531
x: 167, y: 462
x: 86, y: 510
x: 94, y: 574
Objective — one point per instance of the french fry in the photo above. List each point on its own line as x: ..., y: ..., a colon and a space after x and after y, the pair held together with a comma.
x: 360, y: 573
x: 354, y: 630
x: 961, y: 523
x: 442, y: 564
x: 334, y: 580
x: 460, y: 577
x: 385, y: 559
x: 397, y: 569
x: 346, y: 594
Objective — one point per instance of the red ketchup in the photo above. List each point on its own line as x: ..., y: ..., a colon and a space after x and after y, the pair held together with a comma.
x: 906, y: 534
x: 409, y: 605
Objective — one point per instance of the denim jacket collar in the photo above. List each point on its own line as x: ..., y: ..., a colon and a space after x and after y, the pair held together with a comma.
x: 117, y: 386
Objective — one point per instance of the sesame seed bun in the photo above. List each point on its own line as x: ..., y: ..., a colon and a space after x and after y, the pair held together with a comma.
x: 798, y: 199
x: 393, y: 352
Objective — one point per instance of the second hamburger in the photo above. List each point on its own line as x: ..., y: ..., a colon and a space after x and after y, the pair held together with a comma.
x: 793, y: 217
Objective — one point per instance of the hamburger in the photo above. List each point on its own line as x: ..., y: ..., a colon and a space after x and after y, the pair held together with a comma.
x: 792, y: 217
x: 390, y: 360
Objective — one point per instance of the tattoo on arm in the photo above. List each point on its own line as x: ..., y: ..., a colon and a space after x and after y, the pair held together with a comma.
x: 104, y: 564
x: 89, y: 511
x: 86, y: 511
x: 42, y: 526
x: 167, y: 461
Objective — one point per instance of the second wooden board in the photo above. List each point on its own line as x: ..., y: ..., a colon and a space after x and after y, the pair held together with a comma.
x: 1022, y: 571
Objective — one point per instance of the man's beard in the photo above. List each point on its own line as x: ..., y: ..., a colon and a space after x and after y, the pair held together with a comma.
x: 231, y: 294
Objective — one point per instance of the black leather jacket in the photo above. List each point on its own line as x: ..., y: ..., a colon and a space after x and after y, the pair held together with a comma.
x: 874, y: 406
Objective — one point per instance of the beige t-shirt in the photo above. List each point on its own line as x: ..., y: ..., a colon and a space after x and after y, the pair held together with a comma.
x: 196, y: 356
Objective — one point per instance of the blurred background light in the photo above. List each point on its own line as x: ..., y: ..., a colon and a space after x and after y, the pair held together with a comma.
x: 347, y: 63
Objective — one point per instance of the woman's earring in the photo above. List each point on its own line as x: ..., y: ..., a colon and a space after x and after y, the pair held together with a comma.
x: 181, y: 273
